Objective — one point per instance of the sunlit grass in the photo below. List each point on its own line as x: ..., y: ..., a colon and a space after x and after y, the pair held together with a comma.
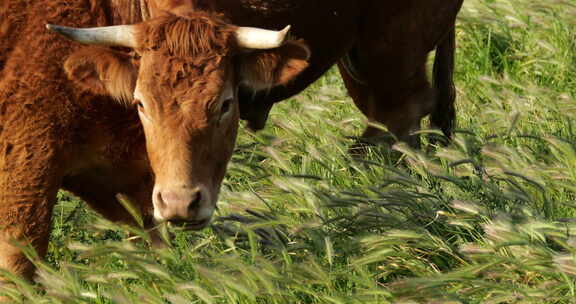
x: 487, y: 219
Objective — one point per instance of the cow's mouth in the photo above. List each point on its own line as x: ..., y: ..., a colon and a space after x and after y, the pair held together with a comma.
x: 191, y: 225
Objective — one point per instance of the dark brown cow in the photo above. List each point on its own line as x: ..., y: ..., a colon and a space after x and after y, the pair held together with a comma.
x: 184, y: 65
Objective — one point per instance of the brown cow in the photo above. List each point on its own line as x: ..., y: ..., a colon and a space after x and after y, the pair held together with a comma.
x: 184, y: 64
x: 60, y: 134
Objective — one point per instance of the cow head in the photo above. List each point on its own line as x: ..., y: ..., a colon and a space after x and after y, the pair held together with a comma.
x: 184, y: 86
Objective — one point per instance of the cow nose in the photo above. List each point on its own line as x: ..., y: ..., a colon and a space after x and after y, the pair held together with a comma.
x: 179, y: 205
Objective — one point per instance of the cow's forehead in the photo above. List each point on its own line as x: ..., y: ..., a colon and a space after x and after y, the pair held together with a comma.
x: 162, y: 63
x: 182, y: 81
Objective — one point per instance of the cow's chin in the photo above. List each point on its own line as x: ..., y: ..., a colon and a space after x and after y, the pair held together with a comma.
x: 191, y: 225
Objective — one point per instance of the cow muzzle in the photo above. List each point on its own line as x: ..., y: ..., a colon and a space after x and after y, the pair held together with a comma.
x: 186, y: 206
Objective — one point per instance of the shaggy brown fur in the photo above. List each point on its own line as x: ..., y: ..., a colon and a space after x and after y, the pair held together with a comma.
x: 12, y: 17
x: 197, y: 35
x: 53, y: 135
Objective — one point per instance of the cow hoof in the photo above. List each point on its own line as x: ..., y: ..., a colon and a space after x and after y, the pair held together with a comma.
x: 362, y: 145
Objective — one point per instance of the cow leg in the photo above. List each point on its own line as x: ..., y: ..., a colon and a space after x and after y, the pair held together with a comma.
x: 25, y: 223
x: 401, y: 111
x: 28, y: 186
x: 362, y: 97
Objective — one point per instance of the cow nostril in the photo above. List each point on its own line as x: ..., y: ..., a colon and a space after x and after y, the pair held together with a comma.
x: 195, y: 203
x: 160, y: 200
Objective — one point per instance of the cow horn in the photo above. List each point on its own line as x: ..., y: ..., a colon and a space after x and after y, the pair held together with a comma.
x: 118, y: 35
x: 260, y: 39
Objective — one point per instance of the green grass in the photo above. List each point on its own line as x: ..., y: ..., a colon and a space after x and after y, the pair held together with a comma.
x: 486, y: 220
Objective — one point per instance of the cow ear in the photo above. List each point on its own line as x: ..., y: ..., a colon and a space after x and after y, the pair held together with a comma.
x: 103, y: 72
x: 262, y: 70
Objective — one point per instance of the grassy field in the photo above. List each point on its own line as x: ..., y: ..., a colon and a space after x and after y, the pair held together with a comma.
x: 489, y: 219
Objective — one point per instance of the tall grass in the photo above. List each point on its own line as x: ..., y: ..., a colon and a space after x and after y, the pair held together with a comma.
x: 488, y: 219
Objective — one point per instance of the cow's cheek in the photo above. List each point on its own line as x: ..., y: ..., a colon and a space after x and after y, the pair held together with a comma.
x: 150, y: 135
x: 226, y: 144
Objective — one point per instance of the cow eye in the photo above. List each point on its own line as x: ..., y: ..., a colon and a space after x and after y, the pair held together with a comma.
x: 226, y: 106
x: 139, y: 104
